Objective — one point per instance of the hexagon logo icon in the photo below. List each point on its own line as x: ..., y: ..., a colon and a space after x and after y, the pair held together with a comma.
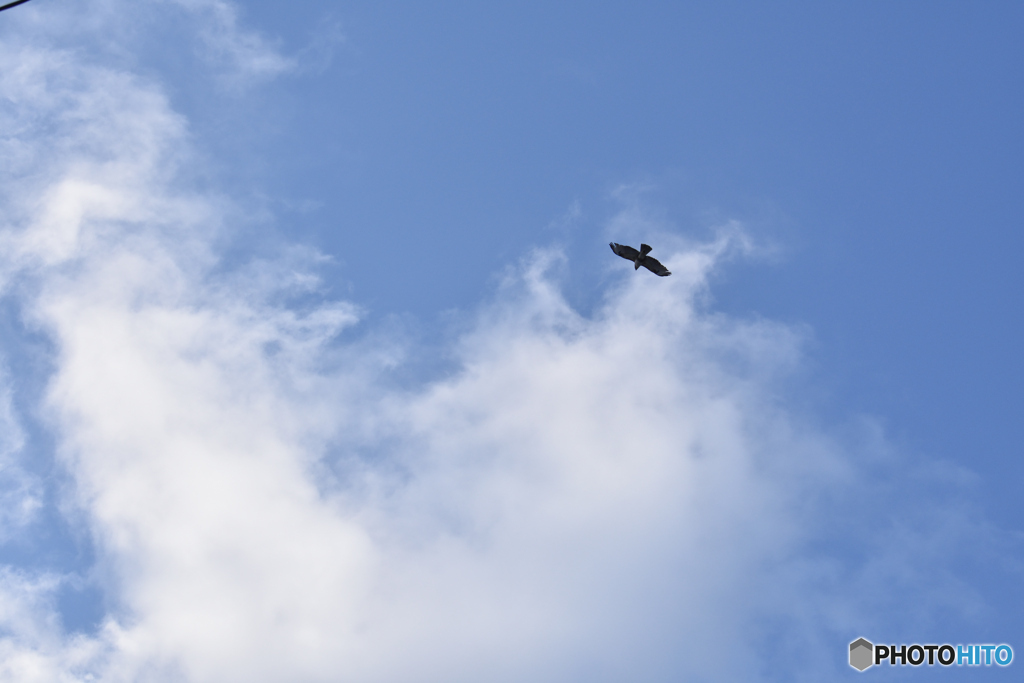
x: 861, y: 654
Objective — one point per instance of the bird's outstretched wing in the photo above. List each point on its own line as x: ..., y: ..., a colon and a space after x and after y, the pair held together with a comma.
x: 628, y: 253
x: 652, y: 264
x: 13, y: 4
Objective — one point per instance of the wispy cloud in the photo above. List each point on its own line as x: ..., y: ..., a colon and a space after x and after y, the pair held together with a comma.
x: 20, y: 492
x: 243, y: 55
x: 618, y: 496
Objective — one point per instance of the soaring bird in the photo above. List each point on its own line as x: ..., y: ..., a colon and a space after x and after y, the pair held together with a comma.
x: 12, y: 4
x: 640, y: 258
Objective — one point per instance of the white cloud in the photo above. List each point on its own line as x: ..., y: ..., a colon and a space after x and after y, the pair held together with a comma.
x: 166, y: 32
x: 244, y: 55
x: 621, y: 496
x: 20, y: 492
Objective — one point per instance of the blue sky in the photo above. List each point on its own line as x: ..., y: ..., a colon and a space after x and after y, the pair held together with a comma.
x: 317, y: 366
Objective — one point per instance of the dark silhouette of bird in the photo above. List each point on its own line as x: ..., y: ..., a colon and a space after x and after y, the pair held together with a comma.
x: 12, y: 4
x: 640, y: 258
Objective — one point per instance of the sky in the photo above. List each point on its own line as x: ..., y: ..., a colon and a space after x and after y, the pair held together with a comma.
x: 315, y: 364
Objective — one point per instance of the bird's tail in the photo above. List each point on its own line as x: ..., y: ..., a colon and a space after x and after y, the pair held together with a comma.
x: 645, y: 249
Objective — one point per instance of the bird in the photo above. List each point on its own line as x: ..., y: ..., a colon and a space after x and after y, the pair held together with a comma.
x: 640, y: 258
x: 12, y: 4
